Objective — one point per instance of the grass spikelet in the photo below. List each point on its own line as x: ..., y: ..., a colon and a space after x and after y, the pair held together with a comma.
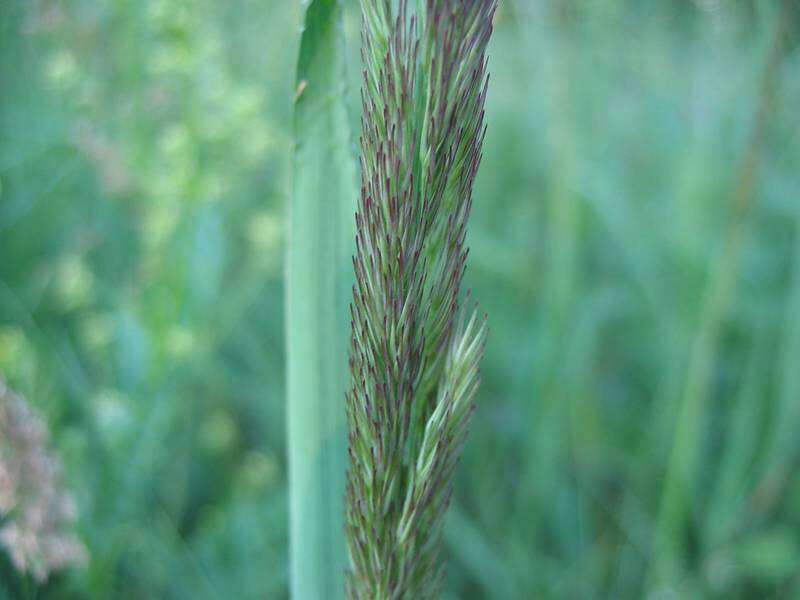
x: 415, y: 354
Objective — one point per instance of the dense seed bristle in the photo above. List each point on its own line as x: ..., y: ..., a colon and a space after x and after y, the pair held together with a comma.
x: 414, y: 362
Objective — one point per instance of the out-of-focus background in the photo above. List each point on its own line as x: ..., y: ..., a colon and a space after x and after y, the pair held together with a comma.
x: 635, y: 242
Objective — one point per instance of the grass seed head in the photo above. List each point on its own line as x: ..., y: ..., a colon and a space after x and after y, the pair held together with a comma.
x: 414, y: 363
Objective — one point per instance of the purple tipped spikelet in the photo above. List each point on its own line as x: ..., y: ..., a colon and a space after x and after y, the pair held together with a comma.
x: 415, y: 354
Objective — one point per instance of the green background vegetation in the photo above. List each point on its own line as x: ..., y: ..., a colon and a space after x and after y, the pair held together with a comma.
x: 635, y: 241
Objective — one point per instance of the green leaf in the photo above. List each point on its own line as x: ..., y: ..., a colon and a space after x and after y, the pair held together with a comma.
x: 769, y: 557
x: 318, y: 281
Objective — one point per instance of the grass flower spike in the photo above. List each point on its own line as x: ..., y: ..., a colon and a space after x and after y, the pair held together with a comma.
x: 415, y: 352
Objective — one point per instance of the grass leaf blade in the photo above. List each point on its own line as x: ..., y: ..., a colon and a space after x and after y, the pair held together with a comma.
x: 318, y: 276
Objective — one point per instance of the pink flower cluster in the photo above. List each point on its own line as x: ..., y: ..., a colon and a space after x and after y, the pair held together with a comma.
x: 36, y: 512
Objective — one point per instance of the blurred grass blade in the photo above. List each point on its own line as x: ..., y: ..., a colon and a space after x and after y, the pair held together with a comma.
x: 317, y: 283
x: 673, y: 518
x: 729, y: 500
x: 469, y: 544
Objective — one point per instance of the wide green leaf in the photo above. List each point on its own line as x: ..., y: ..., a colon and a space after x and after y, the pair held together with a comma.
x: 318, y: 281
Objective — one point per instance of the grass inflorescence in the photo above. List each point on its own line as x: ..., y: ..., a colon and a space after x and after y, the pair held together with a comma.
x: 415, y: 350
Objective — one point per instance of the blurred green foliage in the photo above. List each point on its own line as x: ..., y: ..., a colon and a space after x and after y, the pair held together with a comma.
x: 635, y: 241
